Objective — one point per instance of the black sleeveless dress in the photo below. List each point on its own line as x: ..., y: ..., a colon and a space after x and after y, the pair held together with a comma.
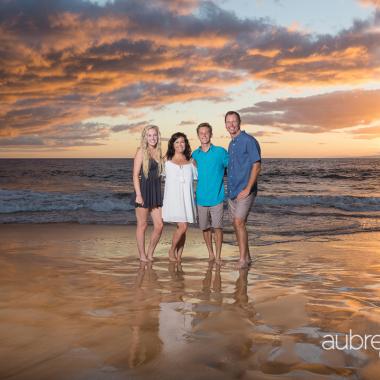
x: 151, y: 186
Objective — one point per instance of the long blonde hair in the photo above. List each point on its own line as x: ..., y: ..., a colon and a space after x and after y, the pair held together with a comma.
x: 144, y: 149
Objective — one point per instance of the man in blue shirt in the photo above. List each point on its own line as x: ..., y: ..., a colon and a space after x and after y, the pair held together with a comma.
x: 211, y: 163
x: 243, y: 170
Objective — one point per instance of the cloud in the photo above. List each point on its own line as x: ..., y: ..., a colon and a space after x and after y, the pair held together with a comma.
x: 368, y: 133
x: 64, y: 62
x: 186, y: 122
x: 375, y: 3
x: 318, y: 113
x: 21, y: 140
x: 265, y: 133
x: 132, y: 127
x: 81, y: 134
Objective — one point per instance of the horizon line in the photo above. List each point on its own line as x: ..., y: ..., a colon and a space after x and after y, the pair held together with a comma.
x: 121, y: 158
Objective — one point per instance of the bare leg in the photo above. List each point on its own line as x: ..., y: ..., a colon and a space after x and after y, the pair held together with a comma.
x: 207, y: 236
x: 242, y: 239
x: 249, y: 258
x: 157, y: 230
x: 142, y: 224
x: 218, y: 244
x: 180, y: 247
x: 181, y: 229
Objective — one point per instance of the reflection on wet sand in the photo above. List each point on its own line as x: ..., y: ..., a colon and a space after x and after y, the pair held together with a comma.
x: 145, y: 343
x: 73, y: 306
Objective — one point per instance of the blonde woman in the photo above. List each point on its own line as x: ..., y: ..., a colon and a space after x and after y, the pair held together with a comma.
x: 147, y: 168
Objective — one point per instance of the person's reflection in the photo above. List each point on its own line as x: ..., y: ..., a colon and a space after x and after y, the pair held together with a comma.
x: 208, y: 285
x: 145, y: 343
x: 177, y: 285
x: 241, y: 294
x: 210, y: 295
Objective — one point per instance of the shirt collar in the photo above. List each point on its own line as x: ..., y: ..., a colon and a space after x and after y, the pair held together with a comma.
x: 209, y: 149
x: 238, y: 136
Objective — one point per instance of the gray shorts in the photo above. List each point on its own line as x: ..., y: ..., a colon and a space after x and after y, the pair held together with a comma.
x: 210, y: 216
x: 239, y: 209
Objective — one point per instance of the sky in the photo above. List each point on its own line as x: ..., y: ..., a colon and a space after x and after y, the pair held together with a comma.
x: 82, y: 78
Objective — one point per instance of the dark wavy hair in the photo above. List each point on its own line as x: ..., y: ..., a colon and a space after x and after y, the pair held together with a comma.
x: 171, y: 151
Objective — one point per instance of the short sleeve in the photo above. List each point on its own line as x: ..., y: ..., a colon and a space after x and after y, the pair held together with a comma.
x: 253, y: 151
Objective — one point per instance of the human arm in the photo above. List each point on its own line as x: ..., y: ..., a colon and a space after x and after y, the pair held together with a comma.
x: 195, y: 169
x: 137, y: 164
x: 226, y: 158
x: 254, y: 156
x: 255, y: 171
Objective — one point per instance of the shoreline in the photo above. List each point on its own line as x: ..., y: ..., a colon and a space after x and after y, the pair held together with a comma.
x: 193, y: 229
x: 77, y: 304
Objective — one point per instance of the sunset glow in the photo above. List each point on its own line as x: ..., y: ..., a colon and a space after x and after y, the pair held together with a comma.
x: 82, y: 78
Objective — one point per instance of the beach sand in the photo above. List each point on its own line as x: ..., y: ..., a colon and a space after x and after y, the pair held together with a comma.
x: 77, y: 304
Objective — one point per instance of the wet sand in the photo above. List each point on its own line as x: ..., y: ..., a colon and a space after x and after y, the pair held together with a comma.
x: 76, y: 304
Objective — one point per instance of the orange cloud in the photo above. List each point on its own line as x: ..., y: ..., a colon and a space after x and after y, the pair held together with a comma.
x: 368, y: 133
x: 375, y: 3
x: 319, y: 113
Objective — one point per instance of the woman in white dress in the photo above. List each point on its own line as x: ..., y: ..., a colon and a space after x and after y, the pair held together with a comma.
x: 179, y: 203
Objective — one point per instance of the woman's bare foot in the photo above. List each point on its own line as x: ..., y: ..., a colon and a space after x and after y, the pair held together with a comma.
x: 150, y: 258
x: 211, y: 258
x: 143, y: 259
x: 172, y: 256
x: 242, y: 264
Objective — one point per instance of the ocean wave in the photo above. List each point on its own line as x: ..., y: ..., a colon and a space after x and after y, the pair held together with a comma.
x: 12, y: 201
x: 345, y: 203
x: 17, y: 201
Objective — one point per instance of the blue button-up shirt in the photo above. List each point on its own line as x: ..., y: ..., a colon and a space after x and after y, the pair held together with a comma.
x: 244, y: 150
x: 211, y: 166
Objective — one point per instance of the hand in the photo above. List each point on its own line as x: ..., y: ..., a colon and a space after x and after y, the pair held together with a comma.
x: 243, y: 194
x: 139, y: 200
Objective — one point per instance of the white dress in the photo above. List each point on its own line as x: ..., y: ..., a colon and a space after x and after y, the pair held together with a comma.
x: 179, y: 201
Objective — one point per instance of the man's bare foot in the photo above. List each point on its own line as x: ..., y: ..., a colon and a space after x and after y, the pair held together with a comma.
x: 143, y: 259
x: 150, y: 258
x: 219, y: 261
x: 242, y: 264
x: 211, y: 258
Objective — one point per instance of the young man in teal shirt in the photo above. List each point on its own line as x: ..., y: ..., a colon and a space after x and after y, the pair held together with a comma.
x: 212, y: 162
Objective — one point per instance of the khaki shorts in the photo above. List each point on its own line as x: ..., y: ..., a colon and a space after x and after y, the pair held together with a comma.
x: 239, y: 209
x: 210, y: 216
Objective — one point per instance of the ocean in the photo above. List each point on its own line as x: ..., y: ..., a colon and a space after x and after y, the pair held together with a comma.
x: 298, y: 199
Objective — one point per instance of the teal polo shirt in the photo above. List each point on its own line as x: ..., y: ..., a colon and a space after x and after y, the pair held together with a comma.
x: 211, y: 166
